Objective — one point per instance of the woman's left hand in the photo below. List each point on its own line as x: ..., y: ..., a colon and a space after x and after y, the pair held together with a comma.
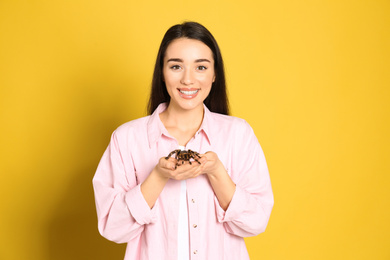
x: 220, y: 180
x: 213, y: 165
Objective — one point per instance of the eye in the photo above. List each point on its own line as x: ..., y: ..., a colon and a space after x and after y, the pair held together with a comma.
x: 175, y: 67
x: 201, y: 67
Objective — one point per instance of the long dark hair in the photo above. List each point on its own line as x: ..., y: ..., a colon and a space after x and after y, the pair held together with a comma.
x: 217, y: 100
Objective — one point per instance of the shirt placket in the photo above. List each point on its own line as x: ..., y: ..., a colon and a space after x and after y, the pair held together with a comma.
x: 193, y: 210
x: 193, y: 224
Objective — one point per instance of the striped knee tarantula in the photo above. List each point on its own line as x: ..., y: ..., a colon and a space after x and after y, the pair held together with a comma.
x: 184, y: 155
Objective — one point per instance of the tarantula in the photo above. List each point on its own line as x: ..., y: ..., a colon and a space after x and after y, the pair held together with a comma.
x: 184, y: 155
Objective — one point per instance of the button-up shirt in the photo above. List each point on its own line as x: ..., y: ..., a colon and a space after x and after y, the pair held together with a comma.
x: 134, y: 150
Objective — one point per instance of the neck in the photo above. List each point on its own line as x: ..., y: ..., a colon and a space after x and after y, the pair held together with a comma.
x: 185, y: 120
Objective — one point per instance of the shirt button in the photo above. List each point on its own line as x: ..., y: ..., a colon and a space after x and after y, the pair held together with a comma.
x: 195, y: 252
x: 195, y: 226
x: 193, y: 201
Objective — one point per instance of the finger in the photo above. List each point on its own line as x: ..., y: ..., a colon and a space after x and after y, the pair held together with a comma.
x: 184, y: 167
x: 168, y: 164
x: 205, y: 155
x: 198, y: 172
x: 203, y: 159
x: 188, y: 171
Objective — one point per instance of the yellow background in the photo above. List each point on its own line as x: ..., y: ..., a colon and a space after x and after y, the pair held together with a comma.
x: 311, y: 77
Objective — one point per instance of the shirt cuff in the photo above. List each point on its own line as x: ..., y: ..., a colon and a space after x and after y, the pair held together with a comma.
x: 236, y: 206
x: 139, y: 208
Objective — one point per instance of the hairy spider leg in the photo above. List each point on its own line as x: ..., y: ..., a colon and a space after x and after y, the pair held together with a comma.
x: 197, y: 160
x: 170, y: 154
x: 196, y: 154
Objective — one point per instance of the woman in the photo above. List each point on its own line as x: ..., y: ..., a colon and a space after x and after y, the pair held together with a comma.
x: 165, y: 209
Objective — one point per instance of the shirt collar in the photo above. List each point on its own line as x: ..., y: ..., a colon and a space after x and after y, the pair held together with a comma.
x: 206, y: 123
x: 156, y: 128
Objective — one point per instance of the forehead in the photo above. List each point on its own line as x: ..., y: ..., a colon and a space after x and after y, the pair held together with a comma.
x: 188, y: 49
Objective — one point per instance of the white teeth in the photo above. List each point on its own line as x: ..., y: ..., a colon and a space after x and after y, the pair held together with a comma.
x: 189, y: 92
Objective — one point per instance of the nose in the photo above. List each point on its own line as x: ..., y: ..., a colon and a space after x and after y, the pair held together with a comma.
x: 187, y: 78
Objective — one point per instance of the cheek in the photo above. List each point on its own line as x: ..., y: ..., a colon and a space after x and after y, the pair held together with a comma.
x: 171, y: 78
x: 167, y: 79
x: 207, y: 80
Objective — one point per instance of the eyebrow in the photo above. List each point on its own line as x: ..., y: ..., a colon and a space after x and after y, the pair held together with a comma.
x: 180, y: 60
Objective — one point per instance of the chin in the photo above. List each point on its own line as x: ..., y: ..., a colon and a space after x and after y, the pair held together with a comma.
x: 189, y: 105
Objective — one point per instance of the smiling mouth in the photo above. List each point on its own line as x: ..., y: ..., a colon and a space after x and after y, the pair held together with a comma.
x: 189, y: 92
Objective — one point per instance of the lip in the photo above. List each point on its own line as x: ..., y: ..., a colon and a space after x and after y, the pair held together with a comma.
x: 190, y: 92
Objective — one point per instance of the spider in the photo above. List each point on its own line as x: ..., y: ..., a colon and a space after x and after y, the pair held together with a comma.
x: 184, y: 155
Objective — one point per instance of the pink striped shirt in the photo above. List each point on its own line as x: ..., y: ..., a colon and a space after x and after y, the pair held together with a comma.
x: 134, y: 150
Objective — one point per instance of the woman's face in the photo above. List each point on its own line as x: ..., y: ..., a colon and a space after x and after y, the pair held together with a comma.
x: 188, y: 72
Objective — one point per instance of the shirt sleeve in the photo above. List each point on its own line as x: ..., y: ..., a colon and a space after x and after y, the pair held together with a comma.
x: 121, y: 208
x: 249, y: 211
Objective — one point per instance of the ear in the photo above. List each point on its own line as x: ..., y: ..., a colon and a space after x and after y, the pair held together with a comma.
x: 214, y: 78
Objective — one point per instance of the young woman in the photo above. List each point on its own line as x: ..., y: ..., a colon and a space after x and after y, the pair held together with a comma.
x: 179, y: 209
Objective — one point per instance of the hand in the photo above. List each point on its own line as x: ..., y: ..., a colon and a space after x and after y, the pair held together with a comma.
x: 212, y: 165
x: 223, y: 186
x: 167, y: 169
